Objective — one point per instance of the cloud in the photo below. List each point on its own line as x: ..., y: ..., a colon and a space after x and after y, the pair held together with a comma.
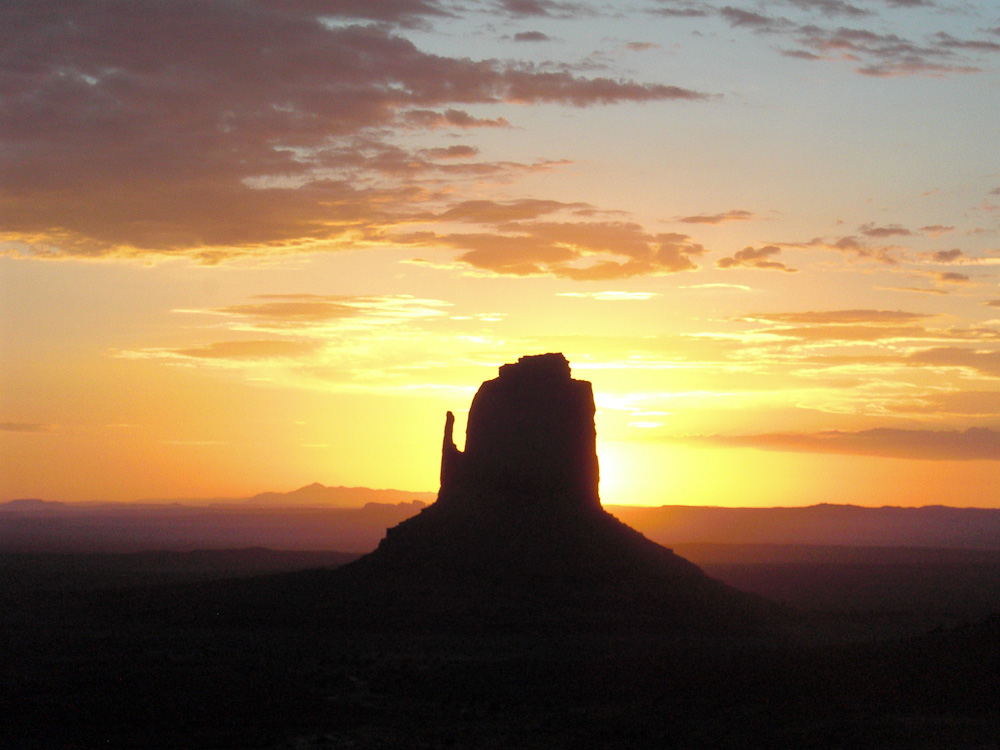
x: 851, y: 333
x: 526, y: 8
x: 831, y: 7
x: 595, y: 250
x: 915, y: 290
x: 897, y: 329
x: 864, y: 328
x: 952, y: 277
x: 947, y: 256
x: 875, y: 54
x: 750, y: 257
x: 341, y: 342
x: 451, y: 152
x: 734, y: 215
x: 27, y: 427
x: 961, y: 403
x: 685, y: 12
x: 982, y: 362
x: 892, y: 230
x: 851, y: 246
x: 611, y: 296
x: 733, y: 287
x: 450, y: 118
x: 260, y: 349
x: 801, y: 54
x: 405, y: 12
x: 993, y: 303
x: 973, y: 444
x: 936, y: 230
x: 300, y: 311
x: 500, y: 212
x: 268, y: 126
x: 303, y: 309
x: 947, y: 41
x: 825, y: 317
x: 531, y: 36
x: 737, y: 17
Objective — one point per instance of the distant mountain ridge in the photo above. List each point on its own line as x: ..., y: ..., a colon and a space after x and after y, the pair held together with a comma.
x: 39, y: 526
x: 50, y: 526
x: 320, y: 495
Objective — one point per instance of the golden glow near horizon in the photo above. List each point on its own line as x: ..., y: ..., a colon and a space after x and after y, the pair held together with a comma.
x: 769, y: 236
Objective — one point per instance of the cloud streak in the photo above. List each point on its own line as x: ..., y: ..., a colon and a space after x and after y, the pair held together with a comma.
x: 25, y: 427
x: 973, y: 444
x: 733, y: 215
x: 258, y: 349
x: 594, y: 251
x: 826, y: 317
x: 874, y: 53
x: 755, y: 257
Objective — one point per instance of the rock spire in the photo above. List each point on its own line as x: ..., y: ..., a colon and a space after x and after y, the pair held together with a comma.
x: 518, y: 535
x: 530, y: 439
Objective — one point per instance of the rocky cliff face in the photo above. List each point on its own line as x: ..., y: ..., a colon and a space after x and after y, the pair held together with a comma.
x: 518, y: 533
x: 530, y: 439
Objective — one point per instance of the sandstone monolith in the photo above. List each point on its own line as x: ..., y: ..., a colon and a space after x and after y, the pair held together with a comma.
x: 518, y: 535
x: 530, y: 440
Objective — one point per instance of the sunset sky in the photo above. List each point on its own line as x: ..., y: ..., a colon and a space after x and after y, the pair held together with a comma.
x: 246, y: 245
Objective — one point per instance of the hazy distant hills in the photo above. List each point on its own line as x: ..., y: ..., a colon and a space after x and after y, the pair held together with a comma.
x: 265, y: 520
x: 352, y: 519
x: 888, y: 526
x: 319, y: 495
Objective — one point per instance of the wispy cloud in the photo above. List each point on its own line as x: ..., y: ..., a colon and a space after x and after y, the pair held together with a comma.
x: 952, y: 277
x: 612, y: 296
x: 982, y: 362
x: 26, y: 427
x: 841, y: 316
x: 530, y: 36
x: 755, y: 257
x: 595, y: 250
x: 891, y: 230
x: 873, y: 52
x: 973, y: 444
x: 542, y: 8
x: 850, y: 246
x: 260, y: 349
x: 301, y: 312
x: 985, y: 404
x: 733, y: 215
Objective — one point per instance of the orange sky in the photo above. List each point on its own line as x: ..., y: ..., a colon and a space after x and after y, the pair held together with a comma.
x: 247, y: 246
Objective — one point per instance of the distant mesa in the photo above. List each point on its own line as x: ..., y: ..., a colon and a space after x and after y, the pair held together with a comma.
x: 518, y: 531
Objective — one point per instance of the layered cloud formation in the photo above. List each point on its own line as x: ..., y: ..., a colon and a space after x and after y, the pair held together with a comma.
x: 209, y: 127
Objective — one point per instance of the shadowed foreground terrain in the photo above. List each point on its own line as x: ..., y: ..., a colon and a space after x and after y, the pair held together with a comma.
x: 257, y: 663
x: 93, y: 680
x: 514, y: 612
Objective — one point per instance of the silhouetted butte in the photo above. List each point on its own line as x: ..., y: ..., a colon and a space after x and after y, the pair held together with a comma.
x: 518, y: 532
